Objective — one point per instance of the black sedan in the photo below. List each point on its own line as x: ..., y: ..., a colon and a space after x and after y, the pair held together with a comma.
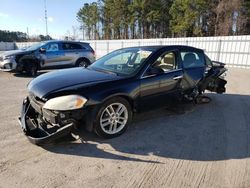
x: 104, y: 96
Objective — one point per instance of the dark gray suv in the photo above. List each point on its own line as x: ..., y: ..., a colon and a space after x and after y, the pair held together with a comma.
x: 48, y: 54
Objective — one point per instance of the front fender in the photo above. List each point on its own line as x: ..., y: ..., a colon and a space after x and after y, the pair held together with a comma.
x: 26, y: 60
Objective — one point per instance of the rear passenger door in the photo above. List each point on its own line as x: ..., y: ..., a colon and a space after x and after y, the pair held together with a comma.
x: 72, y: 52
x: 193, y: 66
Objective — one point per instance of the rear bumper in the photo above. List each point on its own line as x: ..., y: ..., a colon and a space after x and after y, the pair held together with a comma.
x: 35, y: 131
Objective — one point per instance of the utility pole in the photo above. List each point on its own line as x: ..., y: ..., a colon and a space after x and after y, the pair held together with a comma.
x: 28, y: 33
x: 45, y: 14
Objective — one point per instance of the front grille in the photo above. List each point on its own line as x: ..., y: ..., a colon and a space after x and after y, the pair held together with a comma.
x: 1, y: 58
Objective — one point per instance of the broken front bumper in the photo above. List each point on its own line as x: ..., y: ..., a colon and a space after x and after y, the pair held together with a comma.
x: 35, y: 131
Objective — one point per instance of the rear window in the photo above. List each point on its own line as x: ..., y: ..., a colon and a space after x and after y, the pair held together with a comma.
x: 192, y: 59
x: 72, y: 46
x: 87, y: 46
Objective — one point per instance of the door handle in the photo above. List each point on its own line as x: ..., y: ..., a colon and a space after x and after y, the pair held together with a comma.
x: 177, y: 77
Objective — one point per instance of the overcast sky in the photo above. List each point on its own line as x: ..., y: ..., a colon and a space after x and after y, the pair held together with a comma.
x: 18, y: 15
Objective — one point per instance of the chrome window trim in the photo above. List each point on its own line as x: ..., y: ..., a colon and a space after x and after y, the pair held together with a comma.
x: 142, y: 77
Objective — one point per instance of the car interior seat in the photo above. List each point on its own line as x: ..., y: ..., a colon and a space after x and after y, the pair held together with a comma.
x: 168, y: 62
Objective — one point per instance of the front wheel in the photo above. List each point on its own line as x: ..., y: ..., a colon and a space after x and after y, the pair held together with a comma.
x: 33, y: 70
x: 113, y: 118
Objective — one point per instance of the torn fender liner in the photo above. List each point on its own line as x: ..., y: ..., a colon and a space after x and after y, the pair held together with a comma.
x: 35, y: 133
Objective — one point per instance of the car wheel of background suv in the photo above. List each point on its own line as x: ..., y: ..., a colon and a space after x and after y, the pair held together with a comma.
x: 82, y: 63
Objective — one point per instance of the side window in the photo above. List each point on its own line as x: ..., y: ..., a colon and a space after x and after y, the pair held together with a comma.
x: 208, y: 61
x: 166, y: 62
x: 52, y: 47
x: 192, y: 59
x: 71, y: 46
x: 66, y: 46
x: 76, y: 46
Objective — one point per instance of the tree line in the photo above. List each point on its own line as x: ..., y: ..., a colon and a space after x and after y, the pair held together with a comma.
x: 131, y: 19
x: 17, y: 36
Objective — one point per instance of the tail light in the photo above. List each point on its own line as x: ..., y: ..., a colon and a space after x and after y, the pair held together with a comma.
x: 93, y: 52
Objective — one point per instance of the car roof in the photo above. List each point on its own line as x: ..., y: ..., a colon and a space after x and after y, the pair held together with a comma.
x: 70, y: 41
x: 168, y: 47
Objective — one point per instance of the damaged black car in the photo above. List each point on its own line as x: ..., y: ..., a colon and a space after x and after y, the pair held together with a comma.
x: 104, y: 96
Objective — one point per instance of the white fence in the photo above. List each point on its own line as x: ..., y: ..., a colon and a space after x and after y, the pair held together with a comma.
x: 232, y: 50
x: 7, y: 46
x: 20, y: 45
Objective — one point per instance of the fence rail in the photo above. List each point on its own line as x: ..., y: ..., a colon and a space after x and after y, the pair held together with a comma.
x: 232, y: 50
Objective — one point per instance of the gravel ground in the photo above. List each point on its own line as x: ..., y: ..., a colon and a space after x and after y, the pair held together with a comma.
x: 208, y: 146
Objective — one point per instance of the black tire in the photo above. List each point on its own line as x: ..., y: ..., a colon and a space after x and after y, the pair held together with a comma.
x: 19, y: 69
x: 201, y: 99
x: 82, y: 63
x: 99, y: 130
x: 33, y: 70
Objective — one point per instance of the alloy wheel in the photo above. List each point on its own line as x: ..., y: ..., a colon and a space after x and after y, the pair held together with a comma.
x: 82, y: 64
x: 114, y: 118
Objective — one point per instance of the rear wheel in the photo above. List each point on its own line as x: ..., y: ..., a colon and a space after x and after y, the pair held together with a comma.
x: 113, y: 118
x: 82, y: 63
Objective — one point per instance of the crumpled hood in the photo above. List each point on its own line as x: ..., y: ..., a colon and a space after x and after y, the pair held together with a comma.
x: 13, y: 52
x: 58, y: 80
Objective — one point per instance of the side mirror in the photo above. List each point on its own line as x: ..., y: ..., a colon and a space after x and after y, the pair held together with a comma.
x: 42, y: 50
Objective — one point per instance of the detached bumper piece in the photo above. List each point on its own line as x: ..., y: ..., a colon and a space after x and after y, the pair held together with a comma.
x: 39, y: 132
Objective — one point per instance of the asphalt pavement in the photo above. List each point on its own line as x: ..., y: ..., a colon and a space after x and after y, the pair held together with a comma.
x: 206, y: 146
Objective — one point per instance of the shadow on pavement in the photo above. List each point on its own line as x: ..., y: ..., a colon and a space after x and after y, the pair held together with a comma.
x: 27, y: 75
x: 208, y: 132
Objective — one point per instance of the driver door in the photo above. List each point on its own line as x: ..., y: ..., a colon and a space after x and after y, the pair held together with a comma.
x: 53, y: 55
x: 160, y: 83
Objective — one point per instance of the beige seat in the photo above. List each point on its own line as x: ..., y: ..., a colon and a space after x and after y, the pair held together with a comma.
x: 168, y: 62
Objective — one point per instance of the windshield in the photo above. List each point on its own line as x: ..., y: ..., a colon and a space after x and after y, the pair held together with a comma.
x: 125, y: 61
x: 35, y: 46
